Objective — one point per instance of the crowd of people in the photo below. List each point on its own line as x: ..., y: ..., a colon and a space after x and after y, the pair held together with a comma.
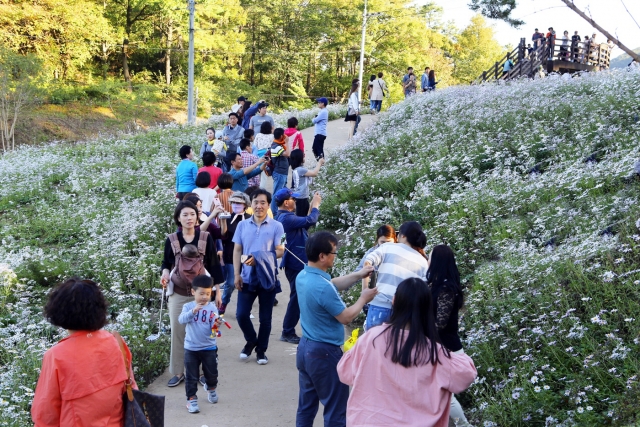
x: 410, y: 81
x: 234, y: 235
x: 574, y: 48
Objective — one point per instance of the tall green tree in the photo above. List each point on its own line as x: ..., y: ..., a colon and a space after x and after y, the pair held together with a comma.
x: 476, y: 50
x: 64, y: 35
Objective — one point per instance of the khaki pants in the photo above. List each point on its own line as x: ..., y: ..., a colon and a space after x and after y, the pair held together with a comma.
x: 456, y: 414
x: 176, y: 362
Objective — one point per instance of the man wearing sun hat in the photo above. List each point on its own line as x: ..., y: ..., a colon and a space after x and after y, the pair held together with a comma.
x: 239, y: 202
x: 320, y: 130
x: 296, y: 228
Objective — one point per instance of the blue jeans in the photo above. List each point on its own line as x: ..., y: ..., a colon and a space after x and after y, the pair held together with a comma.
x: 192, y: 362
x: 292, y: 316
x: 355, y: 128
x: 319, y: 382
x: 372, y: 104
x: 228, y: 288
x: 377, y: 105
x: 376, y: 316
x: 243, y: 311
x: 279, y: 181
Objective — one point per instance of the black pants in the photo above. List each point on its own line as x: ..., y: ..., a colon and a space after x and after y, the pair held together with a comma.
x: 318, y: 146
x: 192, y: 362
x: 292, y: 316
x: 302, y: 207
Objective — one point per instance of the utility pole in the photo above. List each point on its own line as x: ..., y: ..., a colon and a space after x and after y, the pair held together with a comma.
x: 191, y: 114
x: 631, y: 53
x: 364, y: 30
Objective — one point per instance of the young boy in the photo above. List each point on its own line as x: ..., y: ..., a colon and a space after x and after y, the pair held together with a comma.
x: 200, y: 346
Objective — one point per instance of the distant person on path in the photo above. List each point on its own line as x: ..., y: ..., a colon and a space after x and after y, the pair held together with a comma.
x: 232, y: 134
x: 208, y: 160
x: 241, y: 176
x: 200, y: 316
x: 248, y: 159
x: 424, y: 80
x: 409, y: 83
x: 369, y: 89
x: 239, y: 203
x: 432, y: 80
x: 353, y: 109
x: 301, y: 178
x: 186, y: 172
x: 586, y: 46
x: 294, y: 259
x: 444, y: 280
x: 258, y: 245
x: 551, y: 41
x: 564, y: 48
x: 508, y: 66
x: 295, y: 136
x: 82, y: 376
x: 323, y: 315
x: 395, y: 263
x: 238, y: 106
x: 403, y: 358
x: 378, y: 92
x: 186, y: 217
x: 261, y: 117
x: 537, y: 38
x: 320, y: 128
x: 280, y: 151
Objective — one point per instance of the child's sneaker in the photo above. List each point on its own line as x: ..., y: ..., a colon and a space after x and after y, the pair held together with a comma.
x: 213, y: 396
x: 192, y: 405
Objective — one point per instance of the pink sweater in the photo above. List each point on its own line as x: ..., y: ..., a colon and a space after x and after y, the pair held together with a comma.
x: 297, y: 142
x: 388, y: 394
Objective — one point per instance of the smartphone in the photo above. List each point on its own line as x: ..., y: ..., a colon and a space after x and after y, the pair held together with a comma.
x: 217, y: 203
x: 245, y: 258
x: 373, y: 279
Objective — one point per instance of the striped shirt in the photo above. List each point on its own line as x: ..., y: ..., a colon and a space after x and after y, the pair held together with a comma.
x: 224, y: 199
x: 395, y: 262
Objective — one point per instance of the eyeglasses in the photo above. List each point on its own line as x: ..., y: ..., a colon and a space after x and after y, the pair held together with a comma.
x: 333, y: 253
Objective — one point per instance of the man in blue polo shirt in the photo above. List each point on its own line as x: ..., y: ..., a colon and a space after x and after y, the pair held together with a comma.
x: 294, y: 259
x: 322, y: 316
x: 257, y: 246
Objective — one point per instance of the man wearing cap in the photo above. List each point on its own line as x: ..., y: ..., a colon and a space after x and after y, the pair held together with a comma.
x: 320, y: 128
x: 236, y: 107
x: 261, y: 117
x: 239, y: 202
x: 294, y: 258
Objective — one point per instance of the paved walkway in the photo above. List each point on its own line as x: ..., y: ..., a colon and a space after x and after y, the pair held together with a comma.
x: 250, y: 394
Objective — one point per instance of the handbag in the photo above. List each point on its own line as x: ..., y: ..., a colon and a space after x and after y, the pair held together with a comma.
x: 140, y: 409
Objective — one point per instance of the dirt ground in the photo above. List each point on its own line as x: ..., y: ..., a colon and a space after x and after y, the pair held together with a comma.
x: 251, y: 394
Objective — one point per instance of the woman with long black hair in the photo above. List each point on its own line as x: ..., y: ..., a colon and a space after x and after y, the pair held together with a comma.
x: 443, y: 279
x: 403, y: 358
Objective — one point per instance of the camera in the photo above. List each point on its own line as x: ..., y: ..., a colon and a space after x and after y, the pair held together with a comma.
x: 225, y: 215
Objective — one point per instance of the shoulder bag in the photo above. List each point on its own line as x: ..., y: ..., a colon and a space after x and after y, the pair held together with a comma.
x: 140, y: 409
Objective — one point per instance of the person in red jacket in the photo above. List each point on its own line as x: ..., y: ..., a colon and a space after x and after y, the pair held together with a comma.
x: 82, y: 377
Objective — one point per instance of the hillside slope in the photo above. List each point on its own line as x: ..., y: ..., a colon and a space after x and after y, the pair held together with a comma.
x: 623, y: 60
x: 530, y: 183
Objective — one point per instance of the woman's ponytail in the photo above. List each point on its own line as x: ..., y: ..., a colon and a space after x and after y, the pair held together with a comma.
x: 415, y: 236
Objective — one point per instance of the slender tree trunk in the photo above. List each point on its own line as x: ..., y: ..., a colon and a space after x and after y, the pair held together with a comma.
x: 125, y: 64
x: 253, y: 53
x: 167, y: 61
x: 308, y: 82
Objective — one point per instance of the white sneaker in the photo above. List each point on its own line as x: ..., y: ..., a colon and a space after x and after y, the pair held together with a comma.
x: 213, y: 397
x: 192, y: 406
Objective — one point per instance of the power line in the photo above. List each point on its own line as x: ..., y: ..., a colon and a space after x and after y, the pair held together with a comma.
x: 625, y: 8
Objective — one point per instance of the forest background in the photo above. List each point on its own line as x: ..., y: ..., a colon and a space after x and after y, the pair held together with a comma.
x: 123, y: 63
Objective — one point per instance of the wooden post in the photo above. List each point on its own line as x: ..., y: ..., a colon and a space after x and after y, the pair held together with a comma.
x: 521, y: 49
x: 484, y: 76
x: 573, y: 7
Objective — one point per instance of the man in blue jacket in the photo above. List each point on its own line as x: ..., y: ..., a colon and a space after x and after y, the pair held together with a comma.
x: 295, y: 258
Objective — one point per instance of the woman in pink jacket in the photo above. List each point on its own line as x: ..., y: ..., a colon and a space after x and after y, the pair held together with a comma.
x: 82, y: 377
x: 398, y: 373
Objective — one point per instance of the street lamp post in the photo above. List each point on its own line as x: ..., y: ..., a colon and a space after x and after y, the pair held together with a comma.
x: 364, y: 29
x: 191, y: 114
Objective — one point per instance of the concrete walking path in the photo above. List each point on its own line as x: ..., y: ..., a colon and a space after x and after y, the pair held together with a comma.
x: 250, y: 394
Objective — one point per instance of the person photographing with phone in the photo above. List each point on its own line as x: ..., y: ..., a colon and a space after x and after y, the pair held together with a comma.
x: 323, y: 315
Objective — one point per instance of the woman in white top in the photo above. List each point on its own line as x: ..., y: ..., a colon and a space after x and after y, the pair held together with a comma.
x: 395, y: 263
x: 206, y: 194
x: 379, y: 87
x: 262, y: 142
x: 353, y: 108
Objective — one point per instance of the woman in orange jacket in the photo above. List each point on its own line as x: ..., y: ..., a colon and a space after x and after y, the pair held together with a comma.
x: 82, y: 378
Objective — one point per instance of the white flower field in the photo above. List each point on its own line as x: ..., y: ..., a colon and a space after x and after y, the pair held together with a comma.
x: 532, y: 183
x: 98, y: 210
